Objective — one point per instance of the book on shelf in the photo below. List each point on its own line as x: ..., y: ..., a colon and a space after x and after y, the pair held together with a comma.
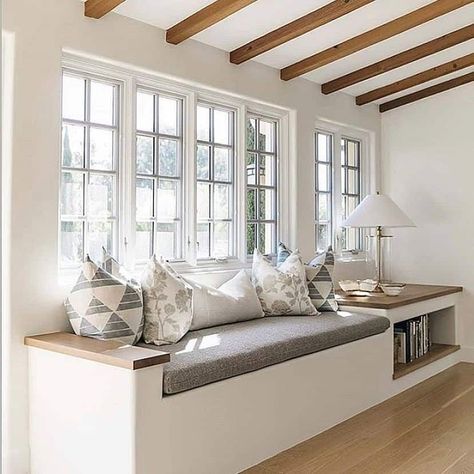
x: 411, y: 339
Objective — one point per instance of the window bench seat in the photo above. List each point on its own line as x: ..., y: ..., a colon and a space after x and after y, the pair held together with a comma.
x: 218, y: 353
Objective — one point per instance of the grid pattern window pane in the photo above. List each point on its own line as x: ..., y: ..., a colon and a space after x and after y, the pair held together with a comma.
x: 215, y: 181
x: 350, y: 189
x: 89, y: 167
x: 159, y: 164
x: 324, y: 159
x: 262, y: 199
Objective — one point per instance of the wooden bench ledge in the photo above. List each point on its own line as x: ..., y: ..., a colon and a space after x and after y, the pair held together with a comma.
x: 105, y: 352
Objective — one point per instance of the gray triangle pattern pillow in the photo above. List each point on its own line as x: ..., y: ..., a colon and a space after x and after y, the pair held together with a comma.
x: 103, y: 305
x: 319, y: 275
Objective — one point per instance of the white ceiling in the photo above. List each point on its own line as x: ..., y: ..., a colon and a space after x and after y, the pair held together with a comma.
x: 265, y: 15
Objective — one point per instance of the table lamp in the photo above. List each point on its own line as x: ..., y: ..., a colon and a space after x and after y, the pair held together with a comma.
x: 377, y: 211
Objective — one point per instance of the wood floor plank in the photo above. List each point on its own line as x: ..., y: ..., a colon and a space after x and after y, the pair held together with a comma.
x: 417, y: 439
x: 464, y: 465
x: 354, y: 442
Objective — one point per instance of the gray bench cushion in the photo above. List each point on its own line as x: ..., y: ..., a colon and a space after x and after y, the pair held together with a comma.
x: 213, y: 354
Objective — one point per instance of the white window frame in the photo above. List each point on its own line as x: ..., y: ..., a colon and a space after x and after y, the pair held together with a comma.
x: 180, y: 179
x: 86, y: 170
x: 131, y: 79
x: 368, y: 174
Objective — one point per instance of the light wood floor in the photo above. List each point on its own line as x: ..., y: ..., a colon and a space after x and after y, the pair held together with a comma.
x: 426, y: 429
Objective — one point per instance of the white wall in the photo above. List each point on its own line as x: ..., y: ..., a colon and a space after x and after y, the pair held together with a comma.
x: 428, y: 169
x: 41, y: 30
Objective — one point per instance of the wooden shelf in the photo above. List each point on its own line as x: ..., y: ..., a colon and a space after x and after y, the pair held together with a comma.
x: 437, y: 351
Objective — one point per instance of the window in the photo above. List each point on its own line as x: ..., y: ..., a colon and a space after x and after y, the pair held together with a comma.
x: 152, y: 166
x: 261, y: 170
x: 338, y: 189
x: 215, y: 177
x: 89, y: 167
x: 324, y: 194
x: 159, y: 150
x: 350, y: 189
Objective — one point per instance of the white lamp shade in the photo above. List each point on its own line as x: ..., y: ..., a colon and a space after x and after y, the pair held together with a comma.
x: 378, y: 210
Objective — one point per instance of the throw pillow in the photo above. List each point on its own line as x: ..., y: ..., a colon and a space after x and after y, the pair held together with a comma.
x: 167, y: 304
x: 234, y: 301
x: 283, y: 290
x: 105, y: 306
x: 319, y: 274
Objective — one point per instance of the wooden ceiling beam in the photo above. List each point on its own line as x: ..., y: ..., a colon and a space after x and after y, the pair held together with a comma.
x: 416, y: 79
x: 428, y: 92
x: 401, y: 59
x: 99, y: 8
x: 296, y: 28
x: 204, y: 18
x: 374, y: 36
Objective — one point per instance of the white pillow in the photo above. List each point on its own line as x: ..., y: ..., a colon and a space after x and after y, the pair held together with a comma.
x: 282, y: 291
x: 234, y: 301
x: 167, y: 304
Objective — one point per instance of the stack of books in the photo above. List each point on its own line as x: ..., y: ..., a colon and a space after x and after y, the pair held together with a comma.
x: 411, y: 339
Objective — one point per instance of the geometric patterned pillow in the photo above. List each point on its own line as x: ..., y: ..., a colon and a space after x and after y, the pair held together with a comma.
x: 105, y: 306
x: 319, y: 275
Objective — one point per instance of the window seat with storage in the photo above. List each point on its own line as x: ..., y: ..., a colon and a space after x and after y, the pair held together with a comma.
x: 214, y: 354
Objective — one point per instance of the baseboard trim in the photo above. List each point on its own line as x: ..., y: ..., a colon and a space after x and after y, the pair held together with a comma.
x: 467, y: 354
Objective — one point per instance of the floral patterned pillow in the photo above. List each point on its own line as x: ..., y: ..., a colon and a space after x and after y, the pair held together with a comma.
x: 282, y: 291
x: 167, y: 304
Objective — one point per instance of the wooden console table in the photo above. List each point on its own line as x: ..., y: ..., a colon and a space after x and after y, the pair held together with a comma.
x: 415, y: 300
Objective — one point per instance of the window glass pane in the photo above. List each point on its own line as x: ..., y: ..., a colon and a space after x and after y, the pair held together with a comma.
x: 73, y: 97
x: 100, y: 195
x: 352, y: 153
x: 144, y: 240
x: 323, y: 237
x: 251, y: 168
x: 323, y: 177
x: 352, y: 181
x: 72, y: 194
x: 221, y: 201
x: 222, y: 122
x: 222, y: 164
x: 72, y: 239
x: 222, y: 239
x: 203, y: 201
x: 167, y: 199
x: 323, y: 147
x: 73, y: 146
x: 144, y: 155
x: 144, y: 198
x: 203, y: 123
x: 266, y: 204
x: 145, y: 111
x: 251, y: 134
x: 267, y: 170
x: 203, y: 238
x: 101, y: 148
x: 202, y: 170
x: 165, y: 240
x: 266, y: 140
x: 102, y: 103
x: 324, y: 207
x: 251, y: 204
x: 168, y: 116
x: 168, y: 157
x: 99, y: 235
x: 251, y: 238
x: 266, y: 238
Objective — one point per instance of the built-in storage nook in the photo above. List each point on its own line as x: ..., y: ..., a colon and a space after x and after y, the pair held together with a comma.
x: 423, y: 319
x: 423, y: 339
